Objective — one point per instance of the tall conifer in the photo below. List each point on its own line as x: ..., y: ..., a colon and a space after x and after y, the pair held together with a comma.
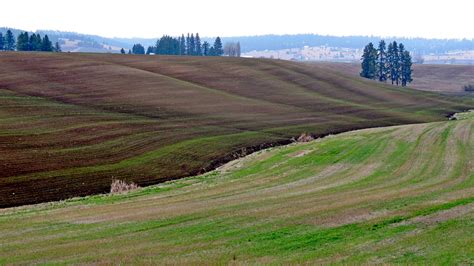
x: 218, y: 50
x: 46, y: 44
x: 182, y: 45
x: 205, y: 49
x: 369, y: 58
x: 192, y: 44
x: 22, y: 42
x: 382, y: 62
x: 405, y: 68
x: 198, y: 45
x: 2, y: 42
x: 188, y: 45
x: 9, y: 41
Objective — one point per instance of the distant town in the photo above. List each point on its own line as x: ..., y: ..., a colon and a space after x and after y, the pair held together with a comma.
x: 348, y: 55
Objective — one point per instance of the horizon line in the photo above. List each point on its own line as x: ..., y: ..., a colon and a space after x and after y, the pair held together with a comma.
x: 247, y: 36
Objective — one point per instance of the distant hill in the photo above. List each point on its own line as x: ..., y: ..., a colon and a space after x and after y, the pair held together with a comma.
x: 77, y: 42
x: 351, y: 55
x: 416, y: 45
x: 449, y: 79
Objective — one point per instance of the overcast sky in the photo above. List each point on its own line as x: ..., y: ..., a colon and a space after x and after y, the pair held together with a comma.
x: 411, y: 18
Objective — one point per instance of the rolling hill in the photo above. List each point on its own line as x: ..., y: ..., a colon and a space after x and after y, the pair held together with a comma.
x: 436, y: 78
x: 392, y: 195
x: 70, y: 123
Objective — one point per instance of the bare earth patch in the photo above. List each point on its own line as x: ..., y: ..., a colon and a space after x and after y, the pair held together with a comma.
x: 442, y: 216
x: 299, y: 153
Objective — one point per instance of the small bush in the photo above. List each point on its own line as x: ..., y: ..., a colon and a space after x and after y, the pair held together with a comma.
x: 120, y: 186
x: 305, y: 137
x: 469, y: 88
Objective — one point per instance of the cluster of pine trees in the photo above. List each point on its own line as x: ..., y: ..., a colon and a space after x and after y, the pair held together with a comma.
x: 190, y: 45
x: 7, y: 42
x: 387, y: 63
x: 138, y: 49
x: 24, y: 42
x: 36, y: 43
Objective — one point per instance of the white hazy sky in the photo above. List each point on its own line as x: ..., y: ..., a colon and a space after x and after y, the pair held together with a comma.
x: 411, y: 18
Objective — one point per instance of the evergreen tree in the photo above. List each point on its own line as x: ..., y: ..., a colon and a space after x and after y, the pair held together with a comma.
x: 2, y: 42
x: 188, y: 45
x: 192, y: 43
x: 35, y: 42
x: 22, y: 42
x: 198, y: 45
x: 218, y: 50
x: 168, y: 45
x: 122, y: 51
x: 212, y: 51
x: 390, y: 61
x: 175, y: 44
x: 182, y: 45
x: 160, y: 46
x: 9, y: 41
x: 46, y: 44
x: 382, y: 62
x: 129, y: 51
x: 401, y: 52
x: 393, y: 60
x: 205, y: 48
x: 57, y: 47
x: 39, y: 42
x: 396, y: 63
x: 151, y: 50
x: 368, y: 64
x: 406, y: 70
x: 401, y: 49
x: 138, y: 49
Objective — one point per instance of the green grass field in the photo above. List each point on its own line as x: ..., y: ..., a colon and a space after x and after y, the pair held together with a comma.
x: 401, y: 194
x: 70, y: 123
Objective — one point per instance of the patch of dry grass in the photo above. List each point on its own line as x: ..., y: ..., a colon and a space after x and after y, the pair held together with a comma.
x: 120, y: 186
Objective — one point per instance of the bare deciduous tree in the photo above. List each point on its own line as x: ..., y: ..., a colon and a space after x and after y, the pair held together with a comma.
x: 232, y: 49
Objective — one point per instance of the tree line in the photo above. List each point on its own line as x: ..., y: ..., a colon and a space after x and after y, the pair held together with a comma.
x: 190, y: 45
x: 387, y: 63
x: 26, y: 42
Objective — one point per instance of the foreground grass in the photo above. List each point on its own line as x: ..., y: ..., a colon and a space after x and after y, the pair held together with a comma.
x: 400, y: 194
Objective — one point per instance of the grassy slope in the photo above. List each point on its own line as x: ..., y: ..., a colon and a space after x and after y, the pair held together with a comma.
x: 69, y: 123
x: 437, y: 78
x: 399, y: 194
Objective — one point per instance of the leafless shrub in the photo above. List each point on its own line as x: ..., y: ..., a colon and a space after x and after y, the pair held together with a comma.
x: 120, y: 186
x: 305, y: 137
x: 232, y: 49
x: 469, y: 88
x: 418, y: 59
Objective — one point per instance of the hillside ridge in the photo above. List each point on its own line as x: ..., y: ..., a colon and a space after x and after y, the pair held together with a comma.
x: 148, y: 119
